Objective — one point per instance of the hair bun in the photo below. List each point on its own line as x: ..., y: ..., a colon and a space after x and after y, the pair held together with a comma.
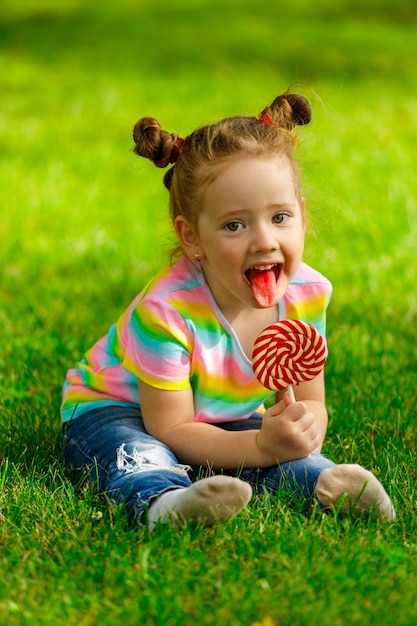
x: 301, y: 110
x: 147, y: 137
x: 153, y: 143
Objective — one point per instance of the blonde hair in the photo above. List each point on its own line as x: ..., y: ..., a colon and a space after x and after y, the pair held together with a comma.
x: 197, y: 156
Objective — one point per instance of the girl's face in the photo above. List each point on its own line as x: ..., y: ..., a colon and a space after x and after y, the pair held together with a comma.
x: 250, y: 233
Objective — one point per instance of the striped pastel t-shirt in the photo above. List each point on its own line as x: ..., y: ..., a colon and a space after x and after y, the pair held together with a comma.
x: 173, y: 336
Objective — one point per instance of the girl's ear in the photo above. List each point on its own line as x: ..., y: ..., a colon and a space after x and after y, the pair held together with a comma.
x: 189, y: 239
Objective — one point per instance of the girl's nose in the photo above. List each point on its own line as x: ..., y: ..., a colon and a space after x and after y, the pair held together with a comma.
x: 264, y: 239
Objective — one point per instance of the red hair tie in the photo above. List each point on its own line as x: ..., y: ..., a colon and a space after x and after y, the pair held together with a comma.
x: 264, y: 118
x: 176, y: 149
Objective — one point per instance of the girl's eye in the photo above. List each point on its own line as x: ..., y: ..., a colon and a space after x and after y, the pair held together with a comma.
x: 280, y: 218
x: 233, y: 226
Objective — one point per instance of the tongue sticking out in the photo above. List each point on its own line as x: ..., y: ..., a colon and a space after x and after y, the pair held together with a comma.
x: 264, y: 284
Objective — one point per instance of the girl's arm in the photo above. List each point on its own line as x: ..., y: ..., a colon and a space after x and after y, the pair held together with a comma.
x: 289, y: 431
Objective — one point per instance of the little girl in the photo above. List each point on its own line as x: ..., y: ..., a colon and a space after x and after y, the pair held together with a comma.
x: 170, y: 391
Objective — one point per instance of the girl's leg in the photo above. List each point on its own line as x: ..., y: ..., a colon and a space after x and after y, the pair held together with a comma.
x: 349, y: 488
x: 298, y: 477
x: 113, y: 447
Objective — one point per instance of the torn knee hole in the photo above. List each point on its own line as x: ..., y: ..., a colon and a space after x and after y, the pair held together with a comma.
x: 137, y: 462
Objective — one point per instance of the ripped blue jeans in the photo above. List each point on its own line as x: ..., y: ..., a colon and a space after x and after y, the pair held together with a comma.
x: 111, y: 446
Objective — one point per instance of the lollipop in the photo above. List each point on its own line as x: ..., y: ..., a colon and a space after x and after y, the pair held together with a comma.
x: 288, y: 353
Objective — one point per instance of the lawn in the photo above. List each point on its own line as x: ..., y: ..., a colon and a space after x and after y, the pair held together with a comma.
x: 84, y: 225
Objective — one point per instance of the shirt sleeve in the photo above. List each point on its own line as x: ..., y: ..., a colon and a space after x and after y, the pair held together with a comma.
x: 158, y: 345
x: 307, y: 299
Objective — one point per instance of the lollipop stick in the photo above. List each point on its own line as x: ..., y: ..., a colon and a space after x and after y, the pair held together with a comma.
x: 291, y: 393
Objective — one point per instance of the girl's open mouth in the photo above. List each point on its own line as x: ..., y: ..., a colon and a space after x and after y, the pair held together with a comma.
x: 263, y: 280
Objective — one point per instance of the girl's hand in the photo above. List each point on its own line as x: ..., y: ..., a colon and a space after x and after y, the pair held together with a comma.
x: 289, y: 431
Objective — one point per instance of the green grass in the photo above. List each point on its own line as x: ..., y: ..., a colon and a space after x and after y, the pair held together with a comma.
x: 83, y: 226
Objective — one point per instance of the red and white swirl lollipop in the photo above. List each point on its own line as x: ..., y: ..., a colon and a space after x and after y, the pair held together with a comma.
x: 288, y: 353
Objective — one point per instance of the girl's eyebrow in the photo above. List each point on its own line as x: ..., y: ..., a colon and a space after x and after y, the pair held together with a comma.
x: 231, y: 213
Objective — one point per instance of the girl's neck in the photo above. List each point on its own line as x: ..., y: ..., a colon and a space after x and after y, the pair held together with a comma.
x: 249, y: 323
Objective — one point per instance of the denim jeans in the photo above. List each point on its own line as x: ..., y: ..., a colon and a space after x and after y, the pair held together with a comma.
x: 112, y: 447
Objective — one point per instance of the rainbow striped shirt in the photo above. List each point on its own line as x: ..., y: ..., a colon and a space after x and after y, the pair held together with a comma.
x: 173, y: 336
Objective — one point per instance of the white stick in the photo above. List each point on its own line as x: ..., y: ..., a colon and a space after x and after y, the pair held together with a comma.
x: 291, y: 393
